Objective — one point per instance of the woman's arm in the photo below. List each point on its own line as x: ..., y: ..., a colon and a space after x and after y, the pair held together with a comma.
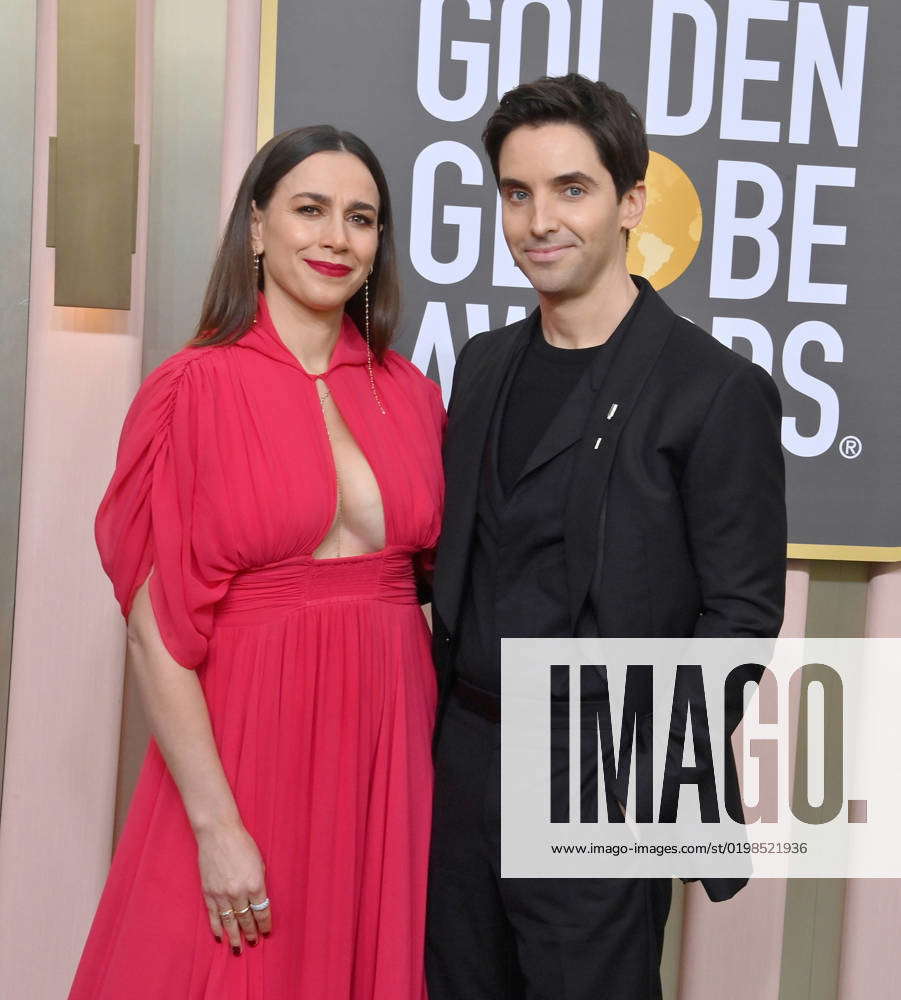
x: 231, y: 869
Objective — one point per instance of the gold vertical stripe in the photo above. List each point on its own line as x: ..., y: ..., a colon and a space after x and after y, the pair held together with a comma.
x: 266, y: 99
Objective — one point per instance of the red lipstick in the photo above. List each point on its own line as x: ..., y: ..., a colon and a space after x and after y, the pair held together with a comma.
x: 332, y: 270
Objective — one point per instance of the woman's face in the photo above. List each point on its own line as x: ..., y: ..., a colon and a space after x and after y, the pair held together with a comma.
x: 319, y: 234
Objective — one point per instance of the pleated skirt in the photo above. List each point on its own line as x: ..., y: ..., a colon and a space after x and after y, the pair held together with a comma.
x: 321, y: 694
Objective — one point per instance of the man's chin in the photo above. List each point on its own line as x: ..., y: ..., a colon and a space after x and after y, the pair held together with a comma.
x: 551, y: 286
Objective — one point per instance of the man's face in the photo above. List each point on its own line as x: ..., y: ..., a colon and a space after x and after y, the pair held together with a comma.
x: 562, y: 219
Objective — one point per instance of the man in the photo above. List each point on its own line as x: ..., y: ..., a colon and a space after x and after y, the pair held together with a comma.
x: 612, y: 471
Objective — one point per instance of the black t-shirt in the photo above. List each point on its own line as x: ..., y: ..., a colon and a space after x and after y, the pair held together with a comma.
x: 545, y: 377
x: 517, y: 573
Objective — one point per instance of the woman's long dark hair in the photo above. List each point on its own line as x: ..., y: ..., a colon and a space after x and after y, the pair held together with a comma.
x: 230, y: 303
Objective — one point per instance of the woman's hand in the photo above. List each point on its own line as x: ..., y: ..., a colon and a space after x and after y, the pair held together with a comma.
x: 232, y: 875
x: 231, y: 869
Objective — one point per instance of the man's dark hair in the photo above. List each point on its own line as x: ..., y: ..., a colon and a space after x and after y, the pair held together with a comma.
x: 613, y: 124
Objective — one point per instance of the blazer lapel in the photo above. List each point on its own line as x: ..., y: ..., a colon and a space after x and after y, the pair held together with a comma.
x: 616, y: 396
x: 469, y: 421
x: 564, y: 430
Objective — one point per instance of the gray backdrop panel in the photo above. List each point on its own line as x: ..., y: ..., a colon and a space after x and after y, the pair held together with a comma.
x: 356, y: 66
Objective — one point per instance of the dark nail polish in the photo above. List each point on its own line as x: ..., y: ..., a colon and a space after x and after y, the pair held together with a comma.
x: 236, y: 950
x: 266, y: 933
x: 253, y: 943
x: 219, y: 939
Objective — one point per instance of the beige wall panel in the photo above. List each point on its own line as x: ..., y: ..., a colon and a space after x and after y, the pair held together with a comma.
x: 814, y: 908
x: 204, y: 123
x: 186, y: 164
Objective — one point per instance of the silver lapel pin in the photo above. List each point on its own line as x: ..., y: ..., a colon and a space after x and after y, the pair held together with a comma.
x: 611, y: 411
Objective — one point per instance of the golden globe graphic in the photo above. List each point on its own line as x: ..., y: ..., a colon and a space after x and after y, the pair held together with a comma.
x: 667, y: 238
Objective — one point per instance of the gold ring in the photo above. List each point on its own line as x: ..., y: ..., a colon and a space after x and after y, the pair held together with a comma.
x: 240, y: 913
x: 226, y: 914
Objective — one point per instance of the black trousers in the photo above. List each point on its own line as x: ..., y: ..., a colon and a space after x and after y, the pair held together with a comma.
x: 524, y: 939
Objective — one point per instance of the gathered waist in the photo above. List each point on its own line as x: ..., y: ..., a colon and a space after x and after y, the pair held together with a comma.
x: 267, y: 593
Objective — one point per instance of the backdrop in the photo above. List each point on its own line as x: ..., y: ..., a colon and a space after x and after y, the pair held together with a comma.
x: 771, y: 219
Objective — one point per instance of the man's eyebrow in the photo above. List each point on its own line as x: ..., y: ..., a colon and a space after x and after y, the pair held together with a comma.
x: 573, y: 177
x: 576, y: 177
x: 324, y: 199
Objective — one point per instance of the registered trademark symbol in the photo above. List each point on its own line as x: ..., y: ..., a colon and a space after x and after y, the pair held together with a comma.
x: 850, y: 447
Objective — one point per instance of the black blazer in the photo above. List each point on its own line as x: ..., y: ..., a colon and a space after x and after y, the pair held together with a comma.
x: 675, y: 523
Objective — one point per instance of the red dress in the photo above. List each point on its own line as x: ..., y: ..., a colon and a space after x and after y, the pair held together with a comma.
x: 317, y: 673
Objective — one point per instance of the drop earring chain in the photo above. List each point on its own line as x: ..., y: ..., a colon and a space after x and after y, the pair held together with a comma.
x: 375, y: 392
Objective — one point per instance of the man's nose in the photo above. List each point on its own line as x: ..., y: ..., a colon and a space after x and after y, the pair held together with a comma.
x: 543, y: 219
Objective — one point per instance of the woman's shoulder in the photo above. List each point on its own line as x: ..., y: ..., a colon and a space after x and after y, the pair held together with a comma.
x: 417, y: 386
x: 183, y: 378
x: 185, y: 367
x: 189, y: 358
x: 404, y: 370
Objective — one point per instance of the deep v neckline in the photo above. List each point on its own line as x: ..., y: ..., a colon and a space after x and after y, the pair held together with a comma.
x: 337, y: 526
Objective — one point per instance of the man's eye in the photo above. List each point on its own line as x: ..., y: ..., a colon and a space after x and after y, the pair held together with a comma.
x: 518, y: 196
x: 309, y: 209
x: 575, y: 191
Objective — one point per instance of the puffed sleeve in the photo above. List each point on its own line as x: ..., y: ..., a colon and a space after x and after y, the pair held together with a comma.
x: 147, y: 519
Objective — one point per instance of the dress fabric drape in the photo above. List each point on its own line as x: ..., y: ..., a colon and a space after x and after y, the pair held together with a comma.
x: 316, y: 672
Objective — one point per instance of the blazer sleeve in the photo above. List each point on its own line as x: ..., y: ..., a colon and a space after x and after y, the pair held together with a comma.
x: 147, y: 520
x: 458, y: 374
x: 733, y: 495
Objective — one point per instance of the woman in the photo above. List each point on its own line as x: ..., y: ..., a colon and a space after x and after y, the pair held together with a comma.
x: 275, y: 482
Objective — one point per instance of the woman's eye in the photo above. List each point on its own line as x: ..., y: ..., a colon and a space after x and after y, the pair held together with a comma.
x: 361, y: 220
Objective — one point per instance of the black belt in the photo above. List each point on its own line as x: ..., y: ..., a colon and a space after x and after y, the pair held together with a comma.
x: 477, y: 700
x: 488, y: 705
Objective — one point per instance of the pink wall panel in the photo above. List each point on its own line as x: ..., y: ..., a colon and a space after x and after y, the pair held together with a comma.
x: 65, y: 699
x: 734, y: 949
x: 884, y: 601
x: 871, y: 958
x: 242, y: 68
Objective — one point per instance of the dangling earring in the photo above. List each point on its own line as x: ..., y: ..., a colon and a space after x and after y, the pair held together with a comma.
x: 369, y: 347
x: 256, y: 264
